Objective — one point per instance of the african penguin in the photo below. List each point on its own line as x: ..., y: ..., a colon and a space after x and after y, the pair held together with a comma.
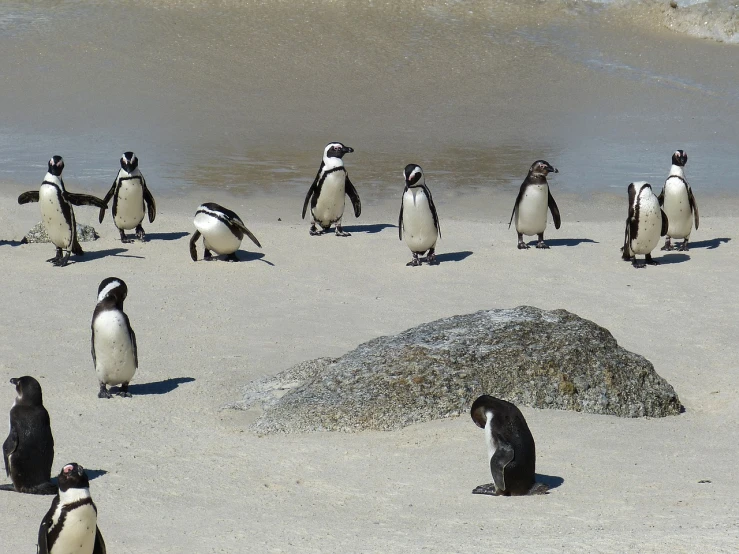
x: 114, y: 351
x: 326, y: 194
x: 418, y: 219
x: 70, y: 525
x: 678, y: 202
x: 130, y: 197
x: 222, y: 232
x: 57, y: 213
x: 530, y: 209
x: 29, y: 449
x: 511, y: 448
x: 645, y: 224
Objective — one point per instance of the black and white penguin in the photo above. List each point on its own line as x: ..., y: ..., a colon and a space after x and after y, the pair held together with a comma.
x: 530, y: 209
x: 114, y: 351
x: 678, y: 202
x: 326, y: 194
x: 57, y: 213
x: 131, y: 198
x: 70, y: 525
x: 511, y: 448
x: 29, y: 449
x: 418, y: 220
x: 222, y: 232
x: 645, y: 224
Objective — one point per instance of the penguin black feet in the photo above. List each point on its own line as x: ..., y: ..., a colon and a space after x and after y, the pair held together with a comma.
x: 541, y: 243
x: 60, y: 261
x: 124, y: 238
x: 207, y: 255
x: 431, y: 258
x: 232, y: 258
x: 314, y: 232
x: 684, y: 246
x: 668, y: 244
x: 123, y: 393
x: 649, y: 261
x: 340, y: 232
x: 521, y: 244
x: 489, y: 489
x: 415, y: 262
x: 140, y: 233
x: 104, y: 393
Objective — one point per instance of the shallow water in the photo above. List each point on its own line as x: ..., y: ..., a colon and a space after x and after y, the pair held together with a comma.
x: 244, y: 96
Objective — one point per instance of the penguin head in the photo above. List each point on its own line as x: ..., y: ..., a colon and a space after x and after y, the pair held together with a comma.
x: 336, y: 150
x: 641, y: 186
x: 73, y: 476
x: 114, y: 288
x: 129, y: 161
x: 541, y: 168
x: 28, y: 391
x: 413, y: 175
x: 56, y: 165
x: 680, y: 158
x: 480, y: 408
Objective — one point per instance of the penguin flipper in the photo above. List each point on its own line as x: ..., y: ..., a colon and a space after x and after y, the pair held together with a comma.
x: 353, y: 196
x: 665, y: 224
x: 107, y: 198
x: 132, y: 335
x: 661, y: 197
x: 400, y: 217
x: 518, y: 200
x: 503, y: 456
x: 193, y: 246
x: 151, y: 206
x: 30, y: 196
x: 693, y: 207
x: 433, y: 210
x: 9, y: 446
x: 554, y: 209
x: 76, y: 247
x: 85, y: 200
x: 43, y: 530
x: 247, y: 232
x: 312, y: 190
x: 99, y: 542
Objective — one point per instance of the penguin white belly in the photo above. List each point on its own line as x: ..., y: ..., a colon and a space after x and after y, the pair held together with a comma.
x: 330, y: 204
x: 677, y: 209
x: 129, y: 204
x: 78, y: 534
x: 60, y: 231
x: 489, y: 440
x: 216, y: 234
x: 114, y: 360
x: 649, y: 225
x: 419, y: 231
x: 531, y: 212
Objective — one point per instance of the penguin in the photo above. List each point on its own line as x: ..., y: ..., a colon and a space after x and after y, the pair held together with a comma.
x: 530, y: 209
x: 130, y: 196
x: 57, y: 213
x: 70, y: 525
x: 114, y: 351
x: 326, y: 194
x: 222, y: 232
x: 418, y: 218
x: 679, y: 204
x: 645, y: 224
x: 511, y: 448
x: 29, y: 449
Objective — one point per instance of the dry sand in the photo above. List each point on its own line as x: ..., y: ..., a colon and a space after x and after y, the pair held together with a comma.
x: 176, y: 473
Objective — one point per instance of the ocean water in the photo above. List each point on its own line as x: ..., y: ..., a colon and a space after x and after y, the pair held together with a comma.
x: 243, y: 95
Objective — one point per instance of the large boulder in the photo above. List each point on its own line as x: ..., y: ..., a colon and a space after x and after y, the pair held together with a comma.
x: 544, y: 359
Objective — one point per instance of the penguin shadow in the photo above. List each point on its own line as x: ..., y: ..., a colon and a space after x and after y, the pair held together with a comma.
x: 11, y: 242
x: 708, y: 244
x: 89, y: 255
x: 166, y: 236
x: 157, y: 387
x: 245, y: 256
x: 370, y: 229
x: 565, y: 242
x: 453, y: 256
x: 667, y: 259
x: 551, y: 481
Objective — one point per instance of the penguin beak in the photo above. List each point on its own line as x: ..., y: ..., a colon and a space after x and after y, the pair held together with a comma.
x: 14, y: 381
x: 553, y: 169
x: 347, y: 150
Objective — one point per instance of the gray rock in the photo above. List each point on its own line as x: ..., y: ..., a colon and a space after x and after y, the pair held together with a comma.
x: 85, y: 233
x: 544, y: 359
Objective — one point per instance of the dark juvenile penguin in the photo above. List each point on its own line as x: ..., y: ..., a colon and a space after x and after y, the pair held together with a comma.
x: 57, y: 213
x: 678, y: 203
x: 511, y: 448
x: 222, y: 232
x: 645, y: 224
x: 114, y: 351
x: 29, y: 449
x: 70, y: 525
x: 418, y: 220
x: 327, y: 193
x: 530, y: 209
x: 131, y: 199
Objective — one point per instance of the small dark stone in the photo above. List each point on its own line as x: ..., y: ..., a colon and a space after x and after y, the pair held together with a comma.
x: 673, y: 4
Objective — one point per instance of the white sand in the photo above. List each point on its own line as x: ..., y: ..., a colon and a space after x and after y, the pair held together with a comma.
x: 184, y: 476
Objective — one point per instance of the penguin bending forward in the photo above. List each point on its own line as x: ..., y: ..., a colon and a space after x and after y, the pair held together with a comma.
x: 114, y: 352
x: 130, y: 196
x: 678, y: 202
x: 418, y: 218
x: 57, y: 213
x: 29, y: 449
x: 70, y: 525
x: 511, y: 448
x: 222, y: 232
x: 645, y: 224
x: 326, y: 194
x: 530, y: 209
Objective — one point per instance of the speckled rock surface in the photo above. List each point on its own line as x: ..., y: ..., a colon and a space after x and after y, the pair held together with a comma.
x: 85, y: 233
x: 528, y: 356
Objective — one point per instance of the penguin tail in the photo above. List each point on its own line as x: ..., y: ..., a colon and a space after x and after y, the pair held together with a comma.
x: 7, y: 487
x: 76, y: 248
x: 47, y: 488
